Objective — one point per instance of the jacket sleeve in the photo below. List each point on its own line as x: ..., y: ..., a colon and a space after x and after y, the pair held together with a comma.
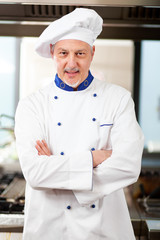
x: 123, y: 167
x: 54, y: 172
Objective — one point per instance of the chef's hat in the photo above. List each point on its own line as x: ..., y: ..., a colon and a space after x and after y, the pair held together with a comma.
x: 81, y: 24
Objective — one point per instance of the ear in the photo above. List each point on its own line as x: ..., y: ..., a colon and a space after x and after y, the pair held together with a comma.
x: 93, y: 51
x: 51, y: 50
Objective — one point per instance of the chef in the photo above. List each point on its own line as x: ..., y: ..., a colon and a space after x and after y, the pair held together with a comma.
x: 78, y: 142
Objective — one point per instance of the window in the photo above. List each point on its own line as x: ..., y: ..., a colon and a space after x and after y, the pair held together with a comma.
x: 149, y: 107
x: 8, y: 91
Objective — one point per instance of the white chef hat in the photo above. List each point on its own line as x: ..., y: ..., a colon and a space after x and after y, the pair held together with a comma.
x: 81, y: 24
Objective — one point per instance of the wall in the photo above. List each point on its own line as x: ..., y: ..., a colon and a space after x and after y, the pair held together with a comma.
x: 113, y: 62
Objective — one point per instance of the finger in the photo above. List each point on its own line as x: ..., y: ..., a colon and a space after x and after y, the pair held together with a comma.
x: 39, y: 147
x: 45, y: 144
x: 39, y: 144
x: 40, y: 150
x: 44, y: 148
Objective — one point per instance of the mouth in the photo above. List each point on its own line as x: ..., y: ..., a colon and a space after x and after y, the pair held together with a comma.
x: 71, y: 73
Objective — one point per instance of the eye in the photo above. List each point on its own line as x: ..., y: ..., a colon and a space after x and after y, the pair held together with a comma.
x: 80, y: 53
x: 62, y: 53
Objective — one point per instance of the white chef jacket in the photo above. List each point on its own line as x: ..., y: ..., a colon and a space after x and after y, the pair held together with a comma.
x: 66, y: 198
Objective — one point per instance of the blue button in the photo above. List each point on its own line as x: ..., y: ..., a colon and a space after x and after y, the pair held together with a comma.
x: 62, y: 153
x: 59, y: 124
x: 68, y: 207
x: 85, y: 83
x: 92, y: 149
x: 62, y: 85
x: 93, y: 206
x: 93, y: 119
x: 94, y: 95
x: 55, y: 97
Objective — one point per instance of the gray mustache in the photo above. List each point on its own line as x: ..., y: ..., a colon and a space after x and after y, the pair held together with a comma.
x: 71, y: 70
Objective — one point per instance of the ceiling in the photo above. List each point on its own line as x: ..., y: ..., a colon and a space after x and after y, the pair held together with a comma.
x: 122, y: 19
x: 89, y: 2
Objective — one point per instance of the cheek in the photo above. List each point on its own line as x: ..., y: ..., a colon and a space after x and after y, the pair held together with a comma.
x: 58, y: 64
x: 86, y: 64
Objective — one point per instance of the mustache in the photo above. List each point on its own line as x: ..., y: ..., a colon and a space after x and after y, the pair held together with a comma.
x: 71, y: 69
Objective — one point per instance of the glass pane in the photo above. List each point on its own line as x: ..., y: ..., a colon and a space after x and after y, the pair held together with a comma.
x: 149, y: 114
x: 7, y: 74
x: 7, y: 91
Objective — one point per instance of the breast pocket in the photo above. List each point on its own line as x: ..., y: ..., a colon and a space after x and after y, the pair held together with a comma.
x: 105, y: 127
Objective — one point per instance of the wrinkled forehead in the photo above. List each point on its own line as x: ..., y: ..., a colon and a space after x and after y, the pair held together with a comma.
x: 72, y: 44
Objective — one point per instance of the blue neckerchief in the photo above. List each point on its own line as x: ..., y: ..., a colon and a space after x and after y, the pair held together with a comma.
x: 82, y: 86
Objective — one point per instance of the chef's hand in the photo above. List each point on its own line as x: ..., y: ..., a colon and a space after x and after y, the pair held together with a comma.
x: 100, y: 155
x: 42, y: 148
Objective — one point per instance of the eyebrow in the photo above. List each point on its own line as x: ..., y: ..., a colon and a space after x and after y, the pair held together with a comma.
x: 62, y: 49
x: 79, y: 50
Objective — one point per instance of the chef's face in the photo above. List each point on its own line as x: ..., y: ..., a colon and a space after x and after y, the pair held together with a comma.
x: 72, y: 59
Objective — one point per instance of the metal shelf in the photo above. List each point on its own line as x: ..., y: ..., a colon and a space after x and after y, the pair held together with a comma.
x: 90, y: 2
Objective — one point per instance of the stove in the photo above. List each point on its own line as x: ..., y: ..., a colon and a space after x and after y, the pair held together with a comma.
x: 12, y: 190
x: 146, y: 197
x: 148, y: 193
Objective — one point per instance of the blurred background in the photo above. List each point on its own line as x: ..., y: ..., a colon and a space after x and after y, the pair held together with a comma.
x: 127, y: 54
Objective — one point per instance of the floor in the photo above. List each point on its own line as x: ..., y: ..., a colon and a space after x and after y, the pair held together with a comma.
x: 10, y: 236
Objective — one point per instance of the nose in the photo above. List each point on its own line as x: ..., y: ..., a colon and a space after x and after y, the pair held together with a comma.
x: 71, y: 61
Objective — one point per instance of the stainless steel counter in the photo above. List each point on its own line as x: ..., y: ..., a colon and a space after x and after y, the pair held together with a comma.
x: 146, y: 225
x: 153, y: 229
x: 11, y: 222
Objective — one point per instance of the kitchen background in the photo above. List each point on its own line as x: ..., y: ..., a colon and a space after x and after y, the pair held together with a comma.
x: 130, y: 59
x: 113, y: 62
x: 23, y: 71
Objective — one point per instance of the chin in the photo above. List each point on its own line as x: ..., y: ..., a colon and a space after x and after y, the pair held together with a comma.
x: 73, y: 85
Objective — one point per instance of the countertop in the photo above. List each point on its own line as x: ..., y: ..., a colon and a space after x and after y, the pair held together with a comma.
x: 143, y: 224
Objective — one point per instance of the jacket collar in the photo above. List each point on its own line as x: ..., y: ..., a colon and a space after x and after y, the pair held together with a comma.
x: 59, y: 83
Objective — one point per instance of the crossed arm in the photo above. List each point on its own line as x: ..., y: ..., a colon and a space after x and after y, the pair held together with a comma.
x: 98, y: 155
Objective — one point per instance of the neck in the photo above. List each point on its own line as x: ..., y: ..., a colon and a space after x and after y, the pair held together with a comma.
x: 79, y: 87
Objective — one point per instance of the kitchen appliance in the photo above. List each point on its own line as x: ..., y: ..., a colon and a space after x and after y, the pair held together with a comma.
x: 123, y: 19
x: 146, y: 195
x: 12, y: 190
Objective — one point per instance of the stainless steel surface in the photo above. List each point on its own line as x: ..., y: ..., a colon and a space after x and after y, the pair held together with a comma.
x: 15, y: 189
x: 11, y: 222
x: 139, y: 224
x: 12, y: 188
x: 153, y: 229
x: 135, y: 23
x: 90, y: 2
x: 146, y: 201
